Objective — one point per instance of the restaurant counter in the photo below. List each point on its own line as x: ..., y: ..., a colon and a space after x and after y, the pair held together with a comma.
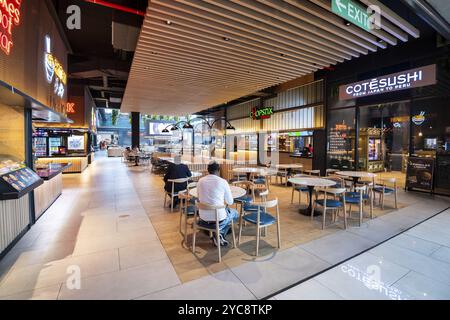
x: 46, y: 194
x: 287, y: 158
x: 79, y: 162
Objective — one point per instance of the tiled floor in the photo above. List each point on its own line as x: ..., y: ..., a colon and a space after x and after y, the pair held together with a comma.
x: 414, y: 265
x: 109, y: 225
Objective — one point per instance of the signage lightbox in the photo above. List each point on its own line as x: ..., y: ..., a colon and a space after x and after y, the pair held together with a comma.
x: 261, y: 113
x: 10, y: 16
x: 414, y: 78
x: 352, y: 11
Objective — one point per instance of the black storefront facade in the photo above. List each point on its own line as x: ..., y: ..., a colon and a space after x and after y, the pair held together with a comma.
x: 396, y: 131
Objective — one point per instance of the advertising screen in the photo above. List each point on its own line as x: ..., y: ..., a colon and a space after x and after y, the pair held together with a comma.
x: 75, y: 143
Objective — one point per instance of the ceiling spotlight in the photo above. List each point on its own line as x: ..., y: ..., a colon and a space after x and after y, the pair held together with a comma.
x: 348, y: 24
x: 282, y: 54
x: 226, y: 38
x: 168, y: 22
x: 380, y: 40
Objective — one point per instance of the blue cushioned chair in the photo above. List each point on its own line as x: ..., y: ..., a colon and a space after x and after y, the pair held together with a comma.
x: 262, y: 219
x: 332, y: 204
x: 212, y: 227
x: 359, y: 198
x: 388, y: 187
x: 299, y: 189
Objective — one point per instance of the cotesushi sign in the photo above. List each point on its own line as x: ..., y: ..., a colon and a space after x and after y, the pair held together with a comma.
x: 414, y: 78
x: 9, y: 18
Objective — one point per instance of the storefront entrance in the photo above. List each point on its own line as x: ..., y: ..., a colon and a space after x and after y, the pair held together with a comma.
x: 384, y: 139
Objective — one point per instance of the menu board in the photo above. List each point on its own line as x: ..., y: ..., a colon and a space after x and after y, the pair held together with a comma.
x: 21, y: 179
x: 420, y: 173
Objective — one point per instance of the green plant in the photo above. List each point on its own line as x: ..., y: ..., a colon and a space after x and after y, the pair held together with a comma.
x: 115, y: 117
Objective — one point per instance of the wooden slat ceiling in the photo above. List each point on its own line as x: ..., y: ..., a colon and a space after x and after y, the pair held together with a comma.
x: 196, y: 54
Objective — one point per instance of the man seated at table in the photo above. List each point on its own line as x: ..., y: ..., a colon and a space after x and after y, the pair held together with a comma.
x: 176, y: 170
x: 215, y: 191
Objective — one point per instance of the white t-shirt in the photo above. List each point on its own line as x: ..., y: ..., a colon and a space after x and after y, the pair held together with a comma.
x: 215, y: 191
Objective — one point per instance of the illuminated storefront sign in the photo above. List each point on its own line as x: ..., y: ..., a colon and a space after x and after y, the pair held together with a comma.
x: 419, y: 119
x: 54, y: 71
x: 9, y: 17
x: 263, y: 113
x: 70, y: 108
x: 409, y: 79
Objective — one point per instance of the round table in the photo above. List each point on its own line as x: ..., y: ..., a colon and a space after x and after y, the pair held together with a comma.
x: 356, y: 175
x: 249, y: 171
x: 290, y: 166
x: 311, y: 183
x: 236, y: 192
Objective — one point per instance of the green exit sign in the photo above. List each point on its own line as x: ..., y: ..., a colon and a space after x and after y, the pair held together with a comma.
x: 353, y: 12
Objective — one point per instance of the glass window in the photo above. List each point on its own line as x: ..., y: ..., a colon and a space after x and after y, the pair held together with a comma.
x: 341, y: 139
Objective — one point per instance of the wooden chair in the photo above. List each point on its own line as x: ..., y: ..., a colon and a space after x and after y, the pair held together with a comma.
x: 198, y: 225
x: 262, y: 219
x: 313, y: 172
x: 299, y: 189
x: 174, y: 194
x: 359, y: 197
x: 332, y: 204
x: 387, y: 187
x: 282, y: 173
x: 187, y: 208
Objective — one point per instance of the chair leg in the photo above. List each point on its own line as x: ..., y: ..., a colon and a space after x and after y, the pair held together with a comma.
x: 194, y: 237
x: 185, y: 228
x: 218, y: 243
x: 240, y: 229
x: 233, y: 233
x: 258, y: 231
x: 279, y: 233
x: 324, y: 217
x: 371, y: 206
x: 165, y: 199
x: 292, y: 196
x: 360, y: 213
x: 395, y: 194
x: 345, y: 217
x: 171, y: 203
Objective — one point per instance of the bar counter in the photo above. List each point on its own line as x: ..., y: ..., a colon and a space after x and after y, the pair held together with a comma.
x: 49, y: 192
x: 79, y: 162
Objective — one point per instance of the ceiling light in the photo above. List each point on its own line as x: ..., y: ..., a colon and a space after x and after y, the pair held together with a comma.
x: 230, y: 127
x: 348, y: 24
x: 165, y: 131
x: 168, y: 22
x: 188, y: 126
x: 226, y: 39
x: 174, y: 128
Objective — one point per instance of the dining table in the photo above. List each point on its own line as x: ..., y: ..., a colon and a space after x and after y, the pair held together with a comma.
x: 356, y: 175
x: 249, y: 171
x: 311, y: 183
x: 236, y: 192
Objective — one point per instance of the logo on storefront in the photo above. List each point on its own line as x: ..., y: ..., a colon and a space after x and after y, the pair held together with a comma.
x: 261, y: 113
x: 414, y: 78
x: 9, y: 18
x: 70, y: 108
x: 419, y: 119
x: 54, y: 71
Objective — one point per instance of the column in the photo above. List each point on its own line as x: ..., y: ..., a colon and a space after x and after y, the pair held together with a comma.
x: 135, y: 129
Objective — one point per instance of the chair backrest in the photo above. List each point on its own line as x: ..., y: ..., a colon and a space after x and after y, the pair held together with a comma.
x: 314, y: 172
x: 267, y: 204
x: 244, y: 184
x: 301, y: 175
x: 335, y: 191
x: 340, y: 182
x: 192, y: 185
x: 180, y: 180
x: 205, y: 206
x: 389, y: 181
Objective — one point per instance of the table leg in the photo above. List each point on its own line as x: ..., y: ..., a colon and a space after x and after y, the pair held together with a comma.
x: 307, y: 211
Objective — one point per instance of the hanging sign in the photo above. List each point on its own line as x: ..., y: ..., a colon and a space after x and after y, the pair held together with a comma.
x: 261, y: 113
x: 353, y: 12
x: 414, y: 78
x: 54, y: 71
x: 9, y: 18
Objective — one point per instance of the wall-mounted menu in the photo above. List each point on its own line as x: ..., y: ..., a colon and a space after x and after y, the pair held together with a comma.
x: 420, y: 173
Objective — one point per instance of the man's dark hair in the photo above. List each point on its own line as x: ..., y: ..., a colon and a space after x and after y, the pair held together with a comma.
x: 213, y: 167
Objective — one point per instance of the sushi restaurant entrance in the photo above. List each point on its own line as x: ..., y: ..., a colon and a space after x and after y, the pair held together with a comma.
x: 384, y: 139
